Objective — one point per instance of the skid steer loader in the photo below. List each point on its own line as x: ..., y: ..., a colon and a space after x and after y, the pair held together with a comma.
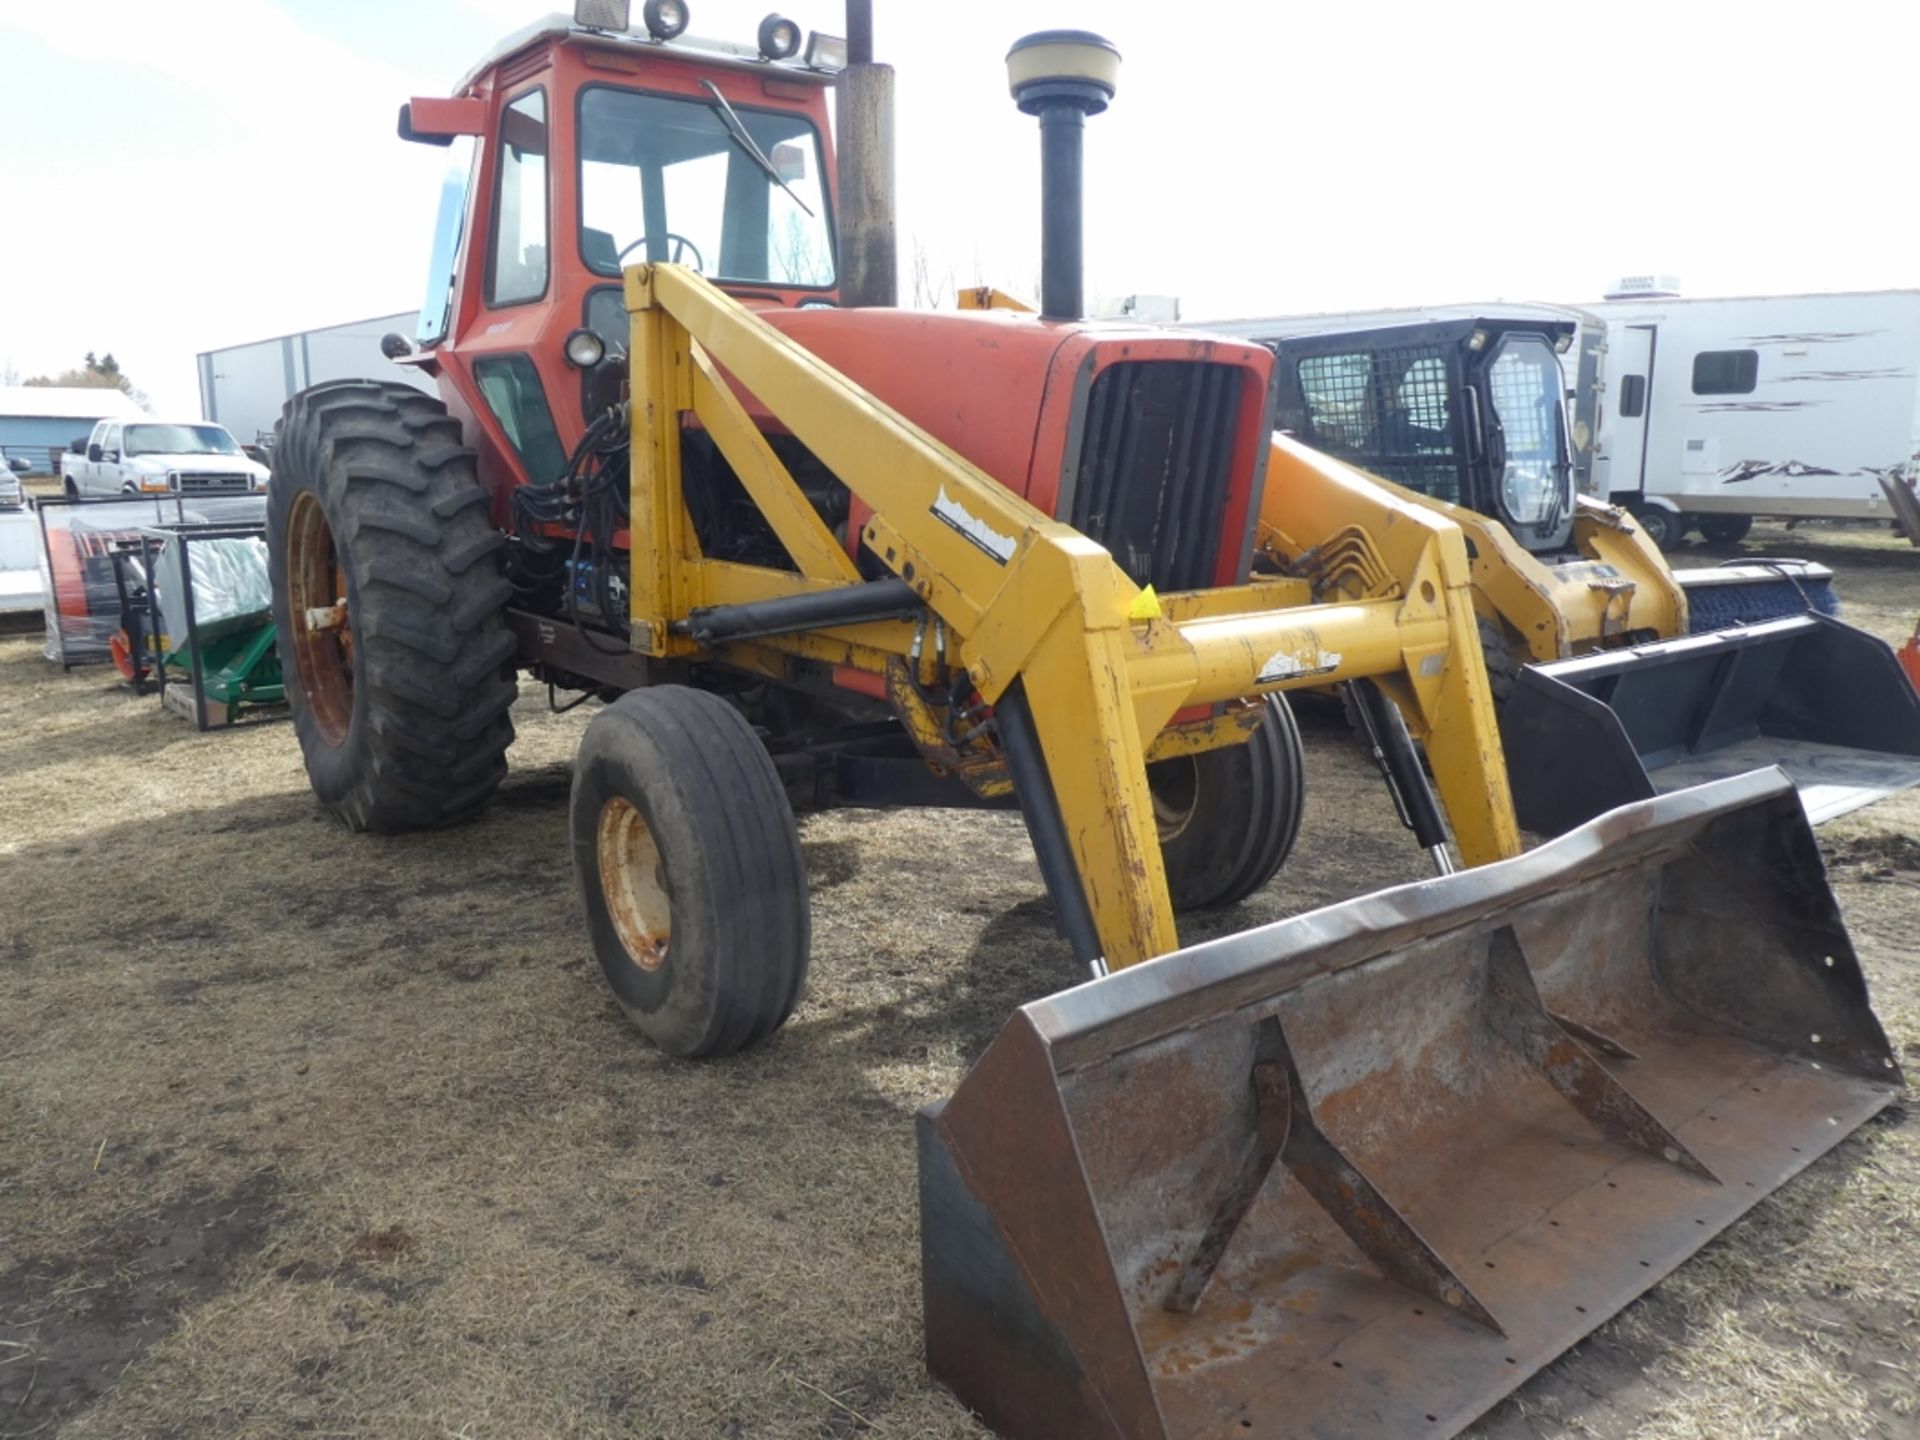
x: 1654, y: 678
x: 812, y: 553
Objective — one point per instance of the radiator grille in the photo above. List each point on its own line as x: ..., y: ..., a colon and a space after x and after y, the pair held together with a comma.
x: 212, y: 483
x: 1156, y: 463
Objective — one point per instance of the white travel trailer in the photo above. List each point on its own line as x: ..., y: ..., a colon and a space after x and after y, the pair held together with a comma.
x: 1717, y: 411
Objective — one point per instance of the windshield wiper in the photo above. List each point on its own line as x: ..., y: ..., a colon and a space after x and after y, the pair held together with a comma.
x: 737, y: 133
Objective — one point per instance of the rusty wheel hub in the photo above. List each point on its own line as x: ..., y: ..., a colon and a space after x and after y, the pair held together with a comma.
x: 1175, y: 787
x: 322, y: 642
x: 634, y: 881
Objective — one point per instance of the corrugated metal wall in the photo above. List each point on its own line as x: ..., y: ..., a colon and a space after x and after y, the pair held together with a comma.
x: 243, y: 386
x: 36, y: 439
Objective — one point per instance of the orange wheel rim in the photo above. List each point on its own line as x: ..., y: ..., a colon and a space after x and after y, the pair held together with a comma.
x: 633, y: 880
x: 317, y: 609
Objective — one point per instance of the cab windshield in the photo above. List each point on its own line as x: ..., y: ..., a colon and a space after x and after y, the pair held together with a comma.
x: 1526, y: 389
x: 663, y: 179
x: 179, y: 440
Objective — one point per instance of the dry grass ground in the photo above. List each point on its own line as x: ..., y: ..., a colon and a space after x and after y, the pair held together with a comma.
x: 311, y: 1134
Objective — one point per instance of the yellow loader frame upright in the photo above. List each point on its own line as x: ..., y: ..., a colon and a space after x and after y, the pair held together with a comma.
x: 1084, y: 669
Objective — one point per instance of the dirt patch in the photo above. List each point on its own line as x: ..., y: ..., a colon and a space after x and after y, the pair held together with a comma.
x: 410, y: 1036
x: 73, y: 1322
x: 1883, y: 856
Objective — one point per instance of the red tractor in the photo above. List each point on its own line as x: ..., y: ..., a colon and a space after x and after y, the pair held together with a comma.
x: 424, y: 550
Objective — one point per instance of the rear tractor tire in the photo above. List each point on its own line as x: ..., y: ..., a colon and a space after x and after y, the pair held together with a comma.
x: 1228, y: 817
x: 1503, y: 665
x: 689, y: 864
x: 388, y: 602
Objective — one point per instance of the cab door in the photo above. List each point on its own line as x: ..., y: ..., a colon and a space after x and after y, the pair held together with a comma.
x: 1621, y: 461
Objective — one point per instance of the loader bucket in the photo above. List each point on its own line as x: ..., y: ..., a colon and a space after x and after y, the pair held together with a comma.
x: 1363, y: 1171
x: 1822, y: 700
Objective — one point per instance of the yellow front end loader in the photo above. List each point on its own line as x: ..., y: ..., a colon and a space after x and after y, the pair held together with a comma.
x: 1357, y: 1173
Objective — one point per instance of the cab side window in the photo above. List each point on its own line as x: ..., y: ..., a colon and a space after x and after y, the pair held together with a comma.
x: 518, y: 271
x: 110, y: 442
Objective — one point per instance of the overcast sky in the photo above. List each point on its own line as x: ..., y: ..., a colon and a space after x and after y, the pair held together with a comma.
x: 178, y: 175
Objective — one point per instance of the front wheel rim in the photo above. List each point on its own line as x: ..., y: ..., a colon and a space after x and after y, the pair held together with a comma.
x: 1175, y: 788
x: 633, y: 881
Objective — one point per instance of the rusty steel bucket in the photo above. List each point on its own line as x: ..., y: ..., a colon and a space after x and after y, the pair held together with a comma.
x: 1363, y: 1171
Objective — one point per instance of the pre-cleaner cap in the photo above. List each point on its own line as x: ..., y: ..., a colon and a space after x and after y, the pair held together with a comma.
x: 1064, y: 57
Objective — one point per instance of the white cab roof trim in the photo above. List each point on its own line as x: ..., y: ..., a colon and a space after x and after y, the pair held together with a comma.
x: 692, y: 49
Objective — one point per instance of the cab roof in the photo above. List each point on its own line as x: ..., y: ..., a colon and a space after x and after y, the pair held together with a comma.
x: 687, y: 49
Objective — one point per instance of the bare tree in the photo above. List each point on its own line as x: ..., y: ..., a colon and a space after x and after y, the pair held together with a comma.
x: 931, y: 292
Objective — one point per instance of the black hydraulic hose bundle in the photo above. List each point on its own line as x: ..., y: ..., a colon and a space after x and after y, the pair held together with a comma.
x: 590, y: 494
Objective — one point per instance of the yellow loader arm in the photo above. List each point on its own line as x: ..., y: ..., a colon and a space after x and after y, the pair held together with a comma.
x: 1620, y: 586
x: 1084, y: 669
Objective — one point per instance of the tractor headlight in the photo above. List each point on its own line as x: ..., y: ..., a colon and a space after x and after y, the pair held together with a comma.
x: 584, y: 349
x: 826, y: 52
x: 664, y: 18
x: 602, y: 14
x: 779, y: 37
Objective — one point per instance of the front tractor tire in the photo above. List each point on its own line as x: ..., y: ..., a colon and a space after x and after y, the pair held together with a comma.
x: 389, y: 606
x: 1228, y: 818
x: 689, y: 863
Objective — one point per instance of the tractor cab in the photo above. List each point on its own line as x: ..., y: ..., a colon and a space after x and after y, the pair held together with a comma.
x: 583, y: 145
x: 1471, y: 411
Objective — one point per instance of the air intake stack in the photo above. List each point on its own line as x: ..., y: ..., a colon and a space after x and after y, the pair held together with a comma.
x: 1062, y: 76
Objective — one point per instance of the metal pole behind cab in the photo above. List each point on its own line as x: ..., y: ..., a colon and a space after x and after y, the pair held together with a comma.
x: 869, y: 255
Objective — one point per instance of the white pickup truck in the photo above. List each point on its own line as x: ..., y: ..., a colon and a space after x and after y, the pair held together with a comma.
x: 160, y: 457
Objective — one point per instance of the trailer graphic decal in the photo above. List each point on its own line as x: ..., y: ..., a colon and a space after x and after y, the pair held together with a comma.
x: 1814, y: 337
x: 1787, y: 469
x: 1822, y: 377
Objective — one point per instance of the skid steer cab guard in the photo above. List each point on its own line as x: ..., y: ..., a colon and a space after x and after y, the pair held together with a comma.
x: 1363, y: 1171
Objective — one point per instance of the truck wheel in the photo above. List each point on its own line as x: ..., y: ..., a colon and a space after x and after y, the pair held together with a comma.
x: 1663, y: 527
x: 1228, y: 818
x: 1726, y: 529
x: 689, y: 864
x: 388, y: 598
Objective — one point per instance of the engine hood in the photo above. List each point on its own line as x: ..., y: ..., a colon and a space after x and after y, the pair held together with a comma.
x: 1152, y: 442
x: 1007, y: 389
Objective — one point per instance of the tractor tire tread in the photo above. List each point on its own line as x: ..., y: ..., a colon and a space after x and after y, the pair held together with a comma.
x: 732, y: 857
x: 428, y: 743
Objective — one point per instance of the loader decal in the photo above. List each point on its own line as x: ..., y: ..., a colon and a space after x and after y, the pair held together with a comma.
x: 951, y: 512
x: 1307, y: 659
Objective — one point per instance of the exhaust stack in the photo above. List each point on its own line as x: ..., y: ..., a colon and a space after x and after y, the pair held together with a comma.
x: 1062, y: 76
x: 869, y: 266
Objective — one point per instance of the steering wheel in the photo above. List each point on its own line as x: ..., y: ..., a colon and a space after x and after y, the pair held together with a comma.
x: 677, y: 246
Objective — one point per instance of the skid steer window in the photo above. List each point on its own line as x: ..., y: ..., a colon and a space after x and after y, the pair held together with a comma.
x: 519, y: 270
x: 1529, y: 403
x: 662, y: 179
x: 1388, y: 411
